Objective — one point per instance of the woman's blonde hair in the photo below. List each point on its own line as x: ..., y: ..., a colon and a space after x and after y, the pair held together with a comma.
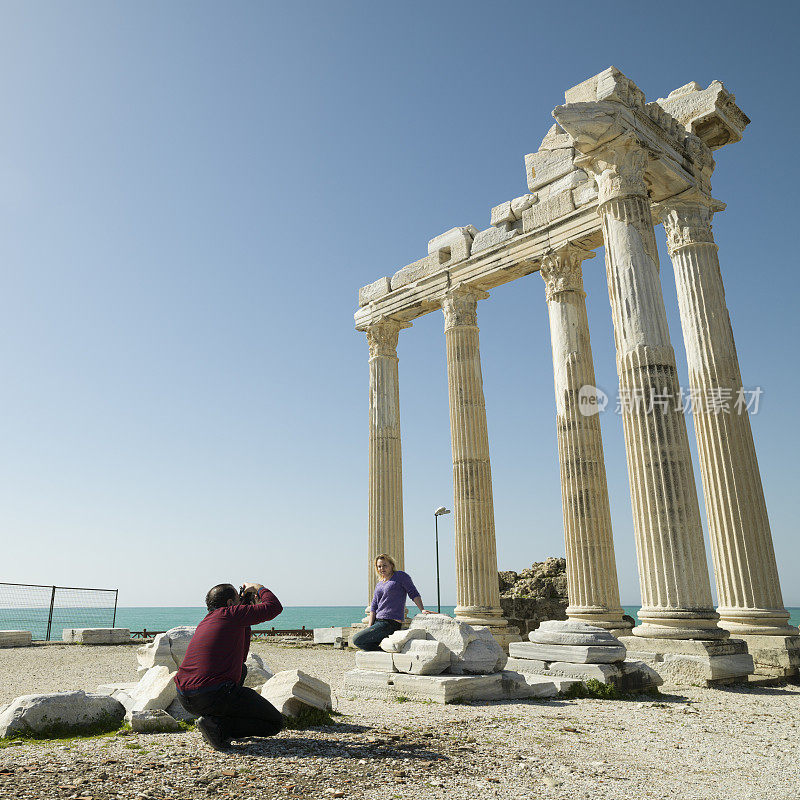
x: 385, y: 557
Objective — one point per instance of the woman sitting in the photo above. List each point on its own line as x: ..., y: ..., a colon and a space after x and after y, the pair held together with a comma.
x: 388, y: 607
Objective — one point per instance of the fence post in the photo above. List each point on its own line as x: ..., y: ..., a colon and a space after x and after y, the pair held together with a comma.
x: 50, y: 615
x: 116, y: 598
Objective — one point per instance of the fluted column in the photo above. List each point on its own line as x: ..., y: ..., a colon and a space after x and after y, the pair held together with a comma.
x: 385, y: 462
x: 747, y: 580
x: 673, y: 571
x: 591, y: 567
x: 478, y: 594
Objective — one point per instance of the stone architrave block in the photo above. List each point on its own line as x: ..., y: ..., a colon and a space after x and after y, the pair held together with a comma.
x: 556, y: 631
x: 399, y: 639
x: 15, y: 638
x: 547, y: 166
x: 637, y: 676
x: 555, y: 139
x: 520, y: 204
x: 179, y: 639
x: 422, y: 657
x: 482, y: 656
x: 500, y: 215
x: 96, y: 635
x: 453, y: 237
x: 493, y: 236
x: 60, y: 714
x: 258, y: 673
x: 447, y: 688
x: 155, y: 654
x: 584, y: 194
x: 610, y: 84
x: 414, y: 272
x: 574, y: 654
x: 575, y: 178
x: 153, y: 721
x: 292, y: 689
x: 376, y: 661
x: 534, y: 666
x: 454, y: 635
x: 156, y: 689
x: 521, y: 685
x: 547, y: 211
x: 373, y: 291
x: 605, y: 673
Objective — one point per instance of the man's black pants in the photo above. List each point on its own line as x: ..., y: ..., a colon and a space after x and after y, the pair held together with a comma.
x: 238, y: 710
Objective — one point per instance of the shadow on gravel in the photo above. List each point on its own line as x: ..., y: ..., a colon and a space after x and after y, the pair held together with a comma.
x: 300, y: 747
x: 763, y: 691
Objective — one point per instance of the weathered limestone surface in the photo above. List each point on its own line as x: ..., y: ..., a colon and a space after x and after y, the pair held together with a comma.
x: 15, y: 638
x: 748, y: 585
x: 330, y: 635
x: 179, y: 639
x: 478, y: 596
x: 574, y: 654
x: 481, y: 656
x: 399, y: 639
x: 385, y: 462
x: 155, y: 654
x: 591, y: 566
x: 96, y: 635
x: 375, y: 661
x: 258, y: 673
x: 292, y: 689
x: 422, y: 657
x: 152, y: 721
x: 452, y: 633
x: 774, y: 655
x: 605, y: 673
x: 60, y: 714
x: 156, y: 689
x: 572, y: 632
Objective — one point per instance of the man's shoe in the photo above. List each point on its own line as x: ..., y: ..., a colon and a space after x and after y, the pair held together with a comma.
x: 212, y: 733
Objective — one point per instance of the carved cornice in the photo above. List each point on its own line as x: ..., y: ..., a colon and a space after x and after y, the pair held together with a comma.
x: 561, y: 270
x: 460, y: 307
x: 382, y: 337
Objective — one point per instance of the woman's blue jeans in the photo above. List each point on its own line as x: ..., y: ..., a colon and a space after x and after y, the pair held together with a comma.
x: 371, y: 638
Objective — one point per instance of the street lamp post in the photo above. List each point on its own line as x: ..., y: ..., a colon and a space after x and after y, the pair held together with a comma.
x: 436, y: 514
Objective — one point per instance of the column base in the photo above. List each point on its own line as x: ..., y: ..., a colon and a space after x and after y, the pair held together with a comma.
x: 676, y: 623
x: 481, y: 615
x: 756, y: 621
x: 611, y: 619
x: 775, y: 656
x: 693, y: 662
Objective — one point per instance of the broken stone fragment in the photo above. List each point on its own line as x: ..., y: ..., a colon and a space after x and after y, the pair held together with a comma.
x: 547, y: 166
x: 453, y: 245
x: 374, y: 291
x: 454, y: 635
x: 398, y: 640
x: 153, y: 721
x: 556, y: 631
x: 492, y: 236
x: 574, y: 654
x: 15, y: 638
x: 155, y: 654
x: 156, y: 689
x: 258, y: 673
x: 378, y: 661
x: 482, y: 656
x: 292, y: 689
x: 179, y: 639
x: 422, y: 657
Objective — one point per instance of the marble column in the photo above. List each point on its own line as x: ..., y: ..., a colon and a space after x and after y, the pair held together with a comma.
x: 477, y: 590
x: 748, y: 586
x: 385, y: 462
x: 591, y: 567
x: 673, y: 571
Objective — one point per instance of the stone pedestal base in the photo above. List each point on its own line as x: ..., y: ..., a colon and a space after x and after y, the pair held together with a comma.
x: 330, y: 635
x: 15, y: 638
x: 776, y: 656
x: 96, y: 635
x: 694, y: 662
x: 505, y: 635
x: 447, y: 688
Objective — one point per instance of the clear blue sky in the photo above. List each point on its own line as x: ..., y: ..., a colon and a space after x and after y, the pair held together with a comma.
x: 191, y: 195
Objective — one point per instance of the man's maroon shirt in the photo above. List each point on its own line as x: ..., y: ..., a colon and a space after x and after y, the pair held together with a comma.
x: 221, y: 642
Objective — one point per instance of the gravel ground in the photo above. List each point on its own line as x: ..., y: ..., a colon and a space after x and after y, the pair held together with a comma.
x: 739, y: 743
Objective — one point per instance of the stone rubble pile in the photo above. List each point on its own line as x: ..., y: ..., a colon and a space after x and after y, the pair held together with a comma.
x: 573, y: 649
x: 441, y: 659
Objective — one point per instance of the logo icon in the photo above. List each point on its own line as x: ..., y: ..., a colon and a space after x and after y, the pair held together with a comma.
x: 591, y: 400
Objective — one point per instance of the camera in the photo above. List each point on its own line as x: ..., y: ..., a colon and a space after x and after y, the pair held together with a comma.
x: 248, y: 597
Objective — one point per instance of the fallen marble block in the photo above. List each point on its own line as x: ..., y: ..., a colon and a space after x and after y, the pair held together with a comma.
x: 330, y: 635
x: 292, y: 689
x: 155, y: 690
x: 179, y: 639
x: 572, y: 632
x: 152, y: 721
x: 604, y: 673
x: 377, y: 661
x: 48, y: 716
x: 637, y: 677
x: 15, y: 638
x: 155, y: 654
x: 422, y: 657
x: 454, y: 635
x: 258, y: 673
x: 398, y: 640
x: 521, y: 685
x: 482, y: 656
x: 574, y: 654
x: 96, y: 635
x: 526, y: 665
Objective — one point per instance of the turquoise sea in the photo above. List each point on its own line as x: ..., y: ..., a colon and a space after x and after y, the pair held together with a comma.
x: 163, y: 618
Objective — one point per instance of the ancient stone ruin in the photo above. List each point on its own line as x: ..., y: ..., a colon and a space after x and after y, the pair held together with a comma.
x: 535, y: 594
x: 609, y: 169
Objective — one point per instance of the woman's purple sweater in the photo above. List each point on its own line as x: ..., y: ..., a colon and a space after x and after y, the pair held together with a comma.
x: 389, y: 600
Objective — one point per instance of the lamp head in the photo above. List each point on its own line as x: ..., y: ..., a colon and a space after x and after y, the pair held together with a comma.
x: 441, y: 510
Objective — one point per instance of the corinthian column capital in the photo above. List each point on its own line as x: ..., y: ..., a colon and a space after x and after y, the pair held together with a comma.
x: 561, y: 270
x: 382, y: 337
x: 460, y: 307
x: 687, y: 220
x: 618, y: 168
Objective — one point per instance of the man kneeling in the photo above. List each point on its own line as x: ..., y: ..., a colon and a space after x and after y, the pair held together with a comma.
x: 211, y: 675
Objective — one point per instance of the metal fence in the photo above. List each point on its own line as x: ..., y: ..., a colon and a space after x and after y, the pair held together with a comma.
x: 46, y: 610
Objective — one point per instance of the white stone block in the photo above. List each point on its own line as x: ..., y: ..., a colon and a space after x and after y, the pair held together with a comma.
x: 574, y: 654
x: 605, y: 673
x: 156, y: 689
x: 482, y: 656
x: 155, y: 654
x: 637, y: 676
x: 520, y: 685
x: 292, y: 689
x: 453, y: 245
x: 520, y: 204
x: 547, y: 211
x: 454, y: 635
x: 556, y: 631
x: 153, y: 721
x: 531, y: 665
x: 96, y: 635
x: 15, y: 638
x: 179, y: 639
x: 377, y: 661
x: 556, y: 139
x: 500, y: 215
x: 398, y: 640
x: 330, y: 635
x: 610, y: 84
x: 422, y: 657
x: 493, y: 236
x: 258, y: 673
x: 547, y: 166
x: 417, y: 271
x: 447, y: 688
x: 60, y: 714
x: 374, y: 291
